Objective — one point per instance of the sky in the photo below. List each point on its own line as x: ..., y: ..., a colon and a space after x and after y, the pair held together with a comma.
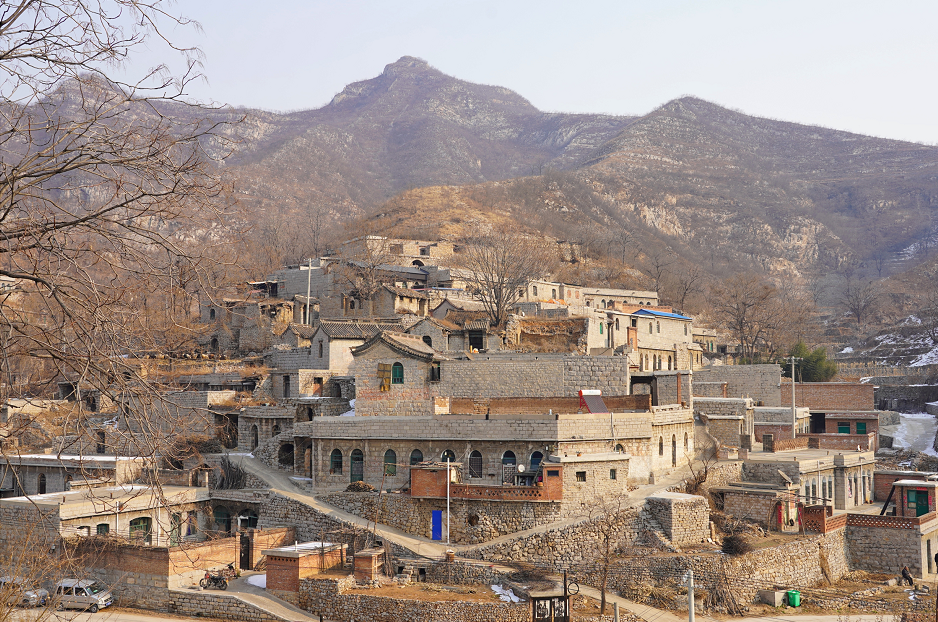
x: 866, y: 67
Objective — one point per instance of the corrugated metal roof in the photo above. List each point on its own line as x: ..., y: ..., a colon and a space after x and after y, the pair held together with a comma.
x: 651, y: 312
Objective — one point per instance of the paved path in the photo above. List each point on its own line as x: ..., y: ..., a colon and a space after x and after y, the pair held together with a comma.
x: 280, y: 482
x: 258, y: 596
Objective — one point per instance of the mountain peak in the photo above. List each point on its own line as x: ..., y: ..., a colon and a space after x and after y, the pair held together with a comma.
x: 406, y: 64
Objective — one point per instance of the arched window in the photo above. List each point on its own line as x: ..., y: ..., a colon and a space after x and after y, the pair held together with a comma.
x: 211, y: 314
x: 685, y: 330
x: 214, y: 345
x: 320, y: 348
x: 509, y: 458
x: 42, y: 484
x: 428, y: 340
x: 534, y: 290
x: 669, y: 362
x: 641, y: 363
x: 617, y: 323
x: 619, y: 448
x: 658, y: 326
x: 475, y: 464
x: 247, y: 519
x: 647, y: 363
x: 351, y: 304
x: 536, y: 458
x: 602, y: 303
x: 335, y: 462
x: 222, y: 518
x: 686, y: 446
x: 416, y: 457
x: 600, y: 328
x: 141, y: 530
x: 254, y: 442
x: 397, y: 373
x: 660, y: 445
x: 448, y: 456
x: 275, y: 430
x: 651, y: 328
x: 390, y: 462
x: 358, y: 465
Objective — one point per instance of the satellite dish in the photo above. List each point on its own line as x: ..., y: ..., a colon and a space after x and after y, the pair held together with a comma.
x: 520, y: 468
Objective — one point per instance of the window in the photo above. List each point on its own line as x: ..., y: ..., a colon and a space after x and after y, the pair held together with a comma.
x: 612, y: 473
x: 669, y: 362
x: 103, y: 529
x: 42, y: 484
x: 843, y: 427
x: 534, y: 290
x: 600, y: 328
x: 141, y: 530
x: 658, y: 325
x: 660, y: 445
x: 390, y: 462
x: 686, y: 446
x: 192, y: 522
x: 634, y: 322
x: 335, y: 462
x: 357, y: 465
x: 509, y: 458
x: 351, y: 304
x: 416, y: 457
x: 286, y: 385
x: 553, y: 473
x: 475, y: 464
x: 275, y: 430
x: 253, y: 437
x: 211, y: 314
x: 651, y: 328
x: 428, y: 340
x: 619, y: 448
x: 861, y: 427
x: 581, y: 476
x: 448, y: 456
x: 397, y: 373
x: 101, y: 446
x: 685, y: 330
x: 553, y: 293
x: 602, y: 303
x: 617, y: 323
x: 320, y: 348
x: 536, y: 458
x: 435, y: 371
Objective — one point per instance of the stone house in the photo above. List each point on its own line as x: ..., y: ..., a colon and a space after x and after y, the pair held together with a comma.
x: 453, y: 304
x: 473, y: 332
x: 245, y: 325
x: 413, y: 404
x: 297, y: 335
x: 606, y: 298
x: 39, y: 474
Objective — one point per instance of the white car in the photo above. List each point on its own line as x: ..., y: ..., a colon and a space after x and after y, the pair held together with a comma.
x: 82, y: 594
x: 20, y: 593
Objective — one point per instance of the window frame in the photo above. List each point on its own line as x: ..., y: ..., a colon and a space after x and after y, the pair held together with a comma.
x: 397, y: 373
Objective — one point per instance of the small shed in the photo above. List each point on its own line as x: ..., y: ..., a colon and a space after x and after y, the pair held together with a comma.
x: 368, y: 564
x: 287, y: 565
x: 913, y: 497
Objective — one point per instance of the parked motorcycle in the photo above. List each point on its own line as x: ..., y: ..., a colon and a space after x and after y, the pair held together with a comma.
x: 215, y: 580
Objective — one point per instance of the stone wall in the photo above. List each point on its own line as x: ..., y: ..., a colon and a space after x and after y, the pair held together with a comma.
x: 887, y: 545
x: 906, y: 399
x: 803, y: 563
x: 684, y: 518
x: 760, y: 382
x: 329, y: 598
x: 471, y: 522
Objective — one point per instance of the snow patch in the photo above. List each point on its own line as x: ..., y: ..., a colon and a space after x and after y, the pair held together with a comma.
x: 929, y: 358
x: 260, y: 580
x: 916, y: 431
x: 349, y: 413
x: 507, y: 596
x: 847, y: 350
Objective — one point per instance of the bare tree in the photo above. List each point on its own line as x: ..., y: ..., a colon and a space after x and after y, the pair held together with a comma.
x: 659, y: 263
x: 500, y: 265
x: 687, y: 282
x: 859, y: 298
x: 609, y: 537
x: 363, y: 268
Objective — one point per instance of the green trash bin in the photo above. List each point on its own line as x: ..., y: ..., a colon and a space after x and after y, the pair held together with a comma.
x: 794, y: 598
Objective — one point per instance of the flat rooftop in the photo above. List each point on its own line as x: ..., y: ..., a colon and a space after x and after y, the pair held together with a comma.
x: 108, y: 499
x: 813, y: 457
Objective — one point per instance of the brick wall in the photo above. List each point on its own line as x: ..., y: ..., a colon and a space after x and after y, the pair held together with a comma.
x: 883, y: 480
x: 760, y: 382
x: 829, y: 396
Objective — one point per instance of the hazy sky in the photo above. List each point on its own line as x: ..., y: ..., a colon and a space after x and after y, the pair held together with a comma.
x: 867, y: 67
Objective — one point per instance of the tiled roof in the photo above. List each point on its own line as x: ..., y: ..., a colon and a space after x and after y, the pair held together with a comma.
x: 400, y: 342
x: 407, y: 293
x: 337, y: 329
x: 480, y: 324
x: 461, y: 318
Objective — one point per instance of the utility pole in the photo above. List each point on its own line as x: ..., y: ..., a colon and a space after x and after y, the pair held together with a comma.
x: 449, y: 476
x: 689, y: 578
x: 794, y: 409
x: 309, y: 276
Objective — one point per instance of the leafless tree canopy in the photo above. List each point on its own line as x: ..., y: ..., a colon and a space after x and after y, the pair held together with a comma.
x: 501, y: 265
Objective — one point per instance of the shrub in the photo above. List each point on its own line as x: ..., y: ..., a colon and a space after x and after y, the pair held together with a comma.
x: 736, y: 545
